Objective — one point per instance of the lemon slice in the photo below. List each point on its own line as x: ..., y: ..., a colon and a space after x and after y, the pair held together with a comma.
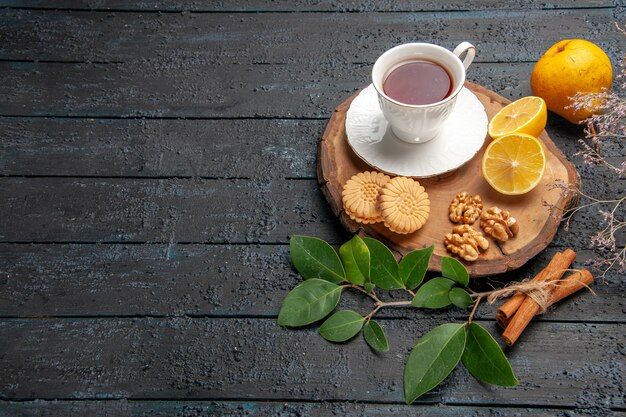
x: 514, y: 164
x: 526, y: 115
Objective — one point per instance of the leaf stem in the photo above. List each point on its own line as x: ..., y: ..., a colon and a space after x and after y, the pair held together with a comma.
x: 393, y: 303
x: 382, y: 304
x: 374, y: 311
x: 371, y: 295
x: 477, y: 295
x: 471, y: 316
x: 481, y: 294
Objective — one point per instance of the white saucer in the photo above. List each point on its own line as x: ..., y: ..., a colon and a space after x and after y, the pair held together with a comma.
x: 372, y: 139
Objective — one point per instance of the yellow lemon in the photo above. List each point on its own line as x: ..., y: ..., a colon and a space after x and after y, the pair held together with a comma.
x: 526, y: 115
x: 514, y: 164
x: 571, y: 66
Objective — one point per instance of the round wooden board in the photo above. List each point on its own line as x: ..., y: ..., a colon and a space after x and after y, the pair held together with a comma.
x: 538, y: 212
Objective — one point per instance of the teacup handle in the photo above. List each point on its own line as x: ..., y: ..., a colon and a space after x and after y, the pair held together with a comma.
x: 465, y: 47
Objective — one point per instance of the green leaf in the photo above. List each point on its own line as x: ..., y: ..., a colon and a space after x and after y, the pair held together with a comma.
x: 432, y: 359
x: 309, y: 302
x: 460, y: 298
x: 484, y: 359
x: 384, y: 268
x: 455, y: 270
x: 356, y: 260
x: 433, y: 294
x: 314, y: 258
x: 369, y: 287
x: 375, y: 336
x: 341, y: 326
x: 413, y: 267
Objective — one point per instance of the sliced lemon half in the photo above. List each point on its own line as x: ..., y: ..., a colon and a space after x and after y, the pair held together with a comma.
x: 514, y: 164
x: 526, y: 115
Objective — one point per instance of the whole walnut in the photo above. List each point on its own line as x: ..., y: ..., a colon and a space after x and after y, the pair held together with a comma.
x: 499, y: 224
x: 466, y: 242
x: 465, y: 208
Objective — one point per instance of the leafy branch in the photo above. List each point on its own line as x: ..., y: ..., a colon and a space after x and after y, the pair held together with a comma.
x: 364, y: 265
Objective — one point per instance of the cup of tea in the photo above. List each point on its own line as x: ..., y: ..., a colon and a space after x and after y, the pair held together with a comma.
x: 417, y: 86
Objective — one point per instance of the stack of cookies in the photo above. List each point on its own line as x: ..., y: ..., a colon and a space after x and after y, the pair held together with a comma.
x: 401, y: 203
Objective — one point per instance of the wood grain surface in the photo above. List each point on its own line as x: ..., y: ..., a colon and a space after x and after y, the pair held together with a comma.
x: 180, y: 357
x: 254, y: 409
x: 216, y: 280
x: 155, y: 158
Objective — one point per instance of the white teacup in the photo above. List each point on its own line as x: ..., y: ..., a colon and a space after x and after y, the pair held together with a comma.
x: 421, y: 123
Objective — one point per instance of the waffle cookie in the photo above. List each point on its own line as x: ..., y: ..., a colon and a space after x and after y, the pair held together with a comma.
x: 360, y: 196
x: 404, y: 205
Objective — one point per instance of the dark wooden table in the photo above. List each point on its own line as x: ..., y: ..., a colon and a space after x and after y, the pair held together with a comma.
x: 155, y: 158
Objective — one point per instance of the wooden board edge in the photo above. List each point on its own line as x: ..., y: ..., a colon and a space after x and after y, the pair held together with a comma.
x: 322, y: 150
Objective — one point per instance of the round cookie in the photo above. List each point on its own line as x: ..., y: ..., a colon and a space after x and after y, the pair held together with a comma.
x: 360, y: 196
x: 404, y: 205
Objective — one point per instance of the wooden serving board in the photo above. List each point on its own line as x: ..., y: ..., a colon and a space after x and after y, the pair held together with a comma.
x: 538, y: 212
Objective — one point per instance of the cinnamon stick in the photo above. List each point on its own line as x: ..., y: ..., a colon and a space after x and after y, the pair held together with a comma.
x: 559, y: 263
x: 507, y: 310
x: 570, y: 285
x: 528, y: 309
x: 567, y: 286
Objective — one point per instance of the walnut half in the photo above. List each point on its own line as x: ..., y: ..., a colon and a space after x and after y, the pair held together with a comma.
x: 466, y: 242
x: 499, y: 224
x: 465, y: 208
